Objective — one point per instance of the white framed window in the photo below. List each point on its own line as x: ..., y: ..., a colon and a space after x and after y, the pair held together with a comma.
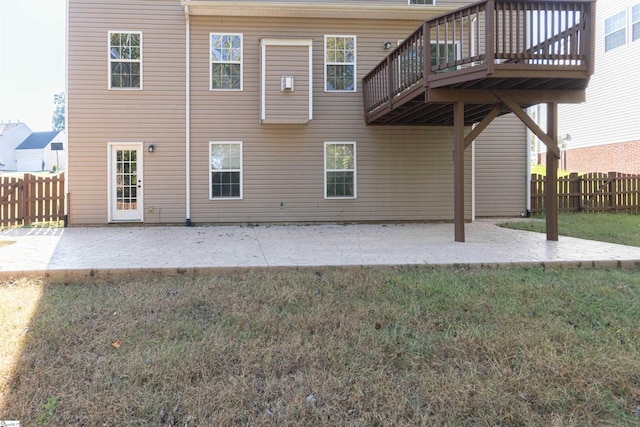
x: 226, y: 61
x: 615, y: 31
x: 125, y: 59
x: 340, y: 63
x: 429, y: 2
x: 635, y: 22
x: 225, y: 170
x: 340, y: 170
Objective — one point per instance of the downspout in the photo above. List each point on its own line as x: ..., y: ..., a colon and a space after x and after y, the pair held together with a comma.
x: 473, y: 180
x: 188, y: 120
x: 528, y: 137
x: 66, y: 116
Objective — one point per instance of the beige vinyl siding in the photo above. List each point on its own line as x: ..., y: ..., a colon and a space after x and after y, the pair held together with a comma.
x: 404, y: 173
x: 153, y: 115
x: 287, y: 106
x: 501, y: 168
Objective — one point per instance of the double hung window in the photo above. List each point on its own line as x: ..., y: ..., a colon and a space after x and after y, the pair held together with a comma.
x: 340, y: 170
x: 635, y: 22
x: 340, y: 63
x: 615, y: 31
x: 125, y: 60
x: 226, y: 61
x: 225, y: 167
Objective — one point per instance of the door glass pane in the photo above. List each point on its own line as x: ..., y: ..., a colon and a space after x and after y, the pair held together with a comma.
x: 126, y: 180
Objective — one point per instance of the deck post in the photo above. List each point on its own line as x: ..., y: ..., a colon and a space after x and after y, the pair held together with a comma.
x: 551, y: 185
x: 458, y: 170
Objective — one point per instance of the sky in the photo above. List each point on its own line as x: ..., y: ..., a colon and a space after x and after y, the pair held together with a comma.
x: 32, y: 60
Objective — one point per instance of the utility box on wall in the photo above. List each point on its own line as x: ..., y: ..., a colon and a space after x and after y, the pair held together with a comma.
x: 286, y: 83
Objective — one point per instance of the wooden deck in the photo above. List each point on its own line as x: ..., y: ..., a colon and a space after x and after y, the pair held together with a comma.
x: 538, y: 52
x: 493, y: 57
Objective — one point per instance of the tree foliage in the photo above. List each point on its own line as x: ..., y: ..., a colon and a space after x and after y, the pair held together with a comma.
x: 58, y: 118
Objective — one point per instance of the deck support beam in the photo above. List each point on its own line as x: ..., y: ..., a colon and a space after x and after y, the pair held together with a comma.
x: 458, y: 170
x: 551, y: 183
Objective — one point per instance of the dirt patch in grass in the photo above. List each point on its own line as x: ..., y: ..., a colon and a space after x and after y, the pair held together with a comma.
x: 374, y: 346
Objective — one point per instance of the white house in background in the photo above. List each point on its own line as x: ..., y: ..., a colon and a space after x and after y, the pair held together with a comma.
x: 602, y: 134
x: 11, y: 135
x: 42, y: 151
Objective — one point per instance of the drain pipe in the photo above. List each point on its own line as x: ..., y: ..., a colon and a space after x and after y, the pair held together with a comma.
x: 188, y: 120
x: 531, y: 111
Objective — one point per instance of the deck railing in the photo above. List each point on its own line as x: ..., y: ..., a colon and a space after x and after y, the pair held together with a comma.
x: 544, y: 33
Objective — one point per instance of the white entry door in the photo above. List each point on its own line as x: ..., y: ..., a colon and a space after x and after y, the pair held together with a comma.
x: 125, y: 182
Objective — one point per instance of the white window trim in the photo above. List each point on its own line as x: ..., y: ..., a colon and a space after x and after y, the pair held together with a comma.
x: 355, y: 63
x: 626, y: 32
x: 109, y: 60
x: 433, y: 3
x: 354, y: 170
x: 241, y: 62
x: 211, y: 143
x: 263, y: 69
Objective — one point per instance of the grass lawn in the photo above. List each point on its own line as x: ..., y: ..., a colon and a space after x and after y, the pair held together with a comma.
x: 340, y: 346
x: 6, y: 242
x: 605, y: 227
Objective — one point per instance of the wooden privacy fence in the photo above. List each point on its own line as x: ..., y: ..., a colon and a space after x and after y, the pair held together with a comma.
x: 592, y: 192
x: 31, y: 199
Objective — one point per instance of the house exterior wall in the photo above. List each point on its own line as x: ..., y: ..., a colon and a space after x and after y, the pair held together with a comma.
x: 9, y: 140
x: 501, y: 168
x: 154, y: 115
x: 403, y: 173
x: 611, y: 111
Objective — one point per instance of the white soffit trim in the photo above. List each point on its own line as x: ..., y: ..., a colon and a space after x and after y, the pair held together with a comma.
x: 311, y: 10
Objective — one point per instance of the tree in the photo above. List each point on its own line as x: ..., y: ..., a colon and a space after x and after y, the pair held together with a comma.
x: 58, y: 118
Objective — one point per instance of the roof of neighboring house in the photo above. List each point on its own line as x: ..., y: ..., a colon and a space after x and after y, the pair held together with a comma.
x: 38, y: 140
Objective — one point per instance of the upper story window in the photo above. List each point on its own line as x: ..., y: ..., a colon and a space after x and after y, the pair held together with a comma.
x: 431, y: 2
x: 635, y: 22
x: 340, y: 63
x: 226, y: 61
x: 615, y: 31
x: 125, y: 60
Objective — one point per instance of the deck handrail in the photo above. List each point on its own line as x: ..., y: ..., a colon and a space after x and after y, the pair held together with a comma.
x: 539, y: 33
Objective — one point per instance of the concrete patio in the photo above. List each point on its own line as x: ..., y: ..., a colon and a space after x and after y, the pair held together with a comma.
x: 178, y: 250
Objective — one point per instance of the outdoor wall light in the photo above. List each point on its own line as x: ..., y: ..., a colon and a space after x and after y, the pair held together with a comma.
x: 152, y: 148
x: 387, y: 45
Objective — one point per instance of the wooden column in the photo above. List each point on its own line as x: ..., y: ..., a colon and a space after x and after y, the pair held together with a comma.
x: 458, y: 170
x: 551, y: 185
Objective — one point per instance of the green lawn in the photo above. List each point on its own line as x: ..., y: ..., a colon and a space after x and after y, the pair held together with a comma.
x: 605, y: 227
x: 339, y: 346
